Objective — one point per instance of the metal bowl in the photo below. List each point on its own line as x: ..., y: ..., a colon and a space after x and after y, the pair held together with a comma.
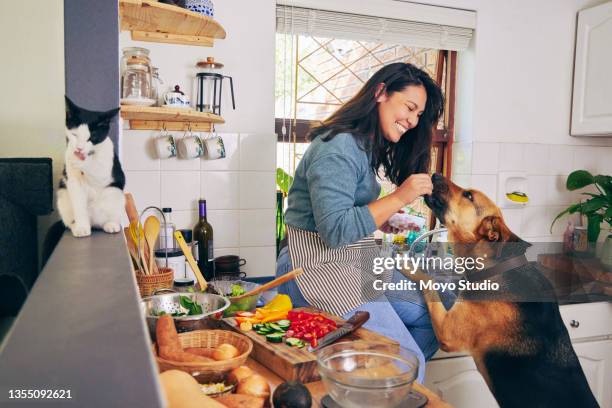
x: 367, y: 374
x: 212, y: 305
x: 246, y: 304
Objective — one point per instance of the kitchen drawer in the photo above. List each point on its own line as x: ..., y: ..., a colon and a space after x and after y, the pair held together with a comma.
x: 587, y: 319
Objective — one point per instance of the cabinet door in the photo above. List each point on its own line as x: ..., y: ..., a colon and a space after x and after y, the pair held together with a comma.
x: 459, y: 383
x: 596, y: 361
x: 592, y: 105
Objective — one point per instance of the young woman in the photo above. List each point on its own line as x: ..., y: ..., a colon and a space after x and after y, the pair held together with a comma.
x: 333, y: 204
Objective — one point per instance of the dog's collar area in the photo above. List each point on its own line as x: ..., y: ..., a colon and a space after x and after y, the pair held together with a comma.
x: 503, y: 266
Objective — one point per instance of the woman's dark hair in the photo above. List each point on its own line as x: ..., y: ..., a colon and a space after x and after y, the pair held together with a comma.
x: 359, y: 116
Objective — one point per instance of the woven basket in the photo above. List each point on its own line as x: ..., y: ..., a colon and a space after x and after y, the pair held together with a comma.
x: 148, y: 284
x: 213, y: 370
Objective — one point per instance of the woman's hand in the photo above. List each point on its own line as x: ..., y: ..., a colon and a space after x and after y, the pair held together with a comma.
x: 388, y: 229
x: 413, y: 187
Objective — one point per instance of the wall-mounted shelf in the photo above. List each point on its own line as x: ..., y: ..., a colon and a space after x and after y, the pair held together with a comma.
x: 158, y: 22
x: 151, y: 118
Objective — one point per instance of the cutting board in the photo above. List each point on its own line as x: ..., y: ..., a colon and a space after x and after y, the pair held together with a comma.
x: 292, y: 363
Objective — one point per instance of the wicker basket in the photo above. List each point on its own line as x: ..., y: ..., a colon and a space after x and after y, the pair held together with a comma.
x: 148, y: 284
x: 213, y: 370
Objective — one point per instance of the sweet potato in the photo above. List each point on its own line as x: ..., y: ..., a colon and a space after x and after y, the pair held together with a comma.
x: 166, y: 334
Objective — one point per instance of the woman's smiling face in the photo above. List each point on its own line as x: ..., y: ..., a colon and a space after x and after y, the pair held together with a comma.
x: 400, y: 111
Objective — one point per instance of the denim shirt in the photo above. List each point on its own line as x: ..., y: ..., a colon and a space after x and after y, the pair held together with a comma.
x: 332, y: 186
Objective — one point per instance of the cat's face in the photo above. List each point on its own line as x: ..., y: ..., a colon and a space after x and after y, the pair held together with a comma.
x: 85, y: 129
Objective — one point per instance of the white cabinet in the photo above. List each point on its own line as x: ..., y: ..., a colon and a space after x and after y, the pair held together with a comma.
x: 459, y: 383
x: 455, y: 378
x: 596, y: 361
x: 591, y: 104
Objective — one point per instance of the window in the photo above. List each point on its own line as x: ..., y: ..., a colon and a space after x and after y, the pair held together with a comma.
x: 316, y: 73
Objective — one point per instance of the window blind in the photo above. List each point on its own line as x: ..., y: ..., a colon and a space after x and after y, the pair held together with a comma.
x: 342, y: 25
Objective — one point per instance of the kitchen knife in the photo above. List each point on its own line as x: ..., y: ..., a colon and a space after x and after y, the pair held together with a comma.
x: 356, y: 321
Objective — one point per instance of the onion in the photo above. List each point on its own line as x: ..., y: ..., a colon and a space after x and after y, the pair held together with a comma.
x: 254, y: 385
x: 239, y: 374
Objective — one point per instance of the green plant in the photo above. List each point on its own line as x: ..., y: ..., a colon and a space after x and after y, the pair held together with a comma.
x: 597, y: 208
x: 283, y: 180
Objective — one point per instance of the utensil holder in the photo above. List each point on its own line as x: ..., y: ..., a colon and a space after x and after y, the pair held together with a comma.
x: 149, y: 284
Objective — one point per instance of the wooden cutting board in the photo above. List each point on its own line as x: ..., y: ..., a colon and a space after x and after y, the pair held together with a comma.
x: 292, y: 363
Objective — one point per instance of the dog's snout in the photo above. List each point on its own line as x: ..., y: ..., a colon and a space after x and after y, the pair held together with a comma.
x: 436, y: 177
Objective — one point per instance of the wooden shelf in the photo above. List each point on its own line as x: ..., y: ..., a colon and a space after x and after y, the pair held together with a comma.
x: 158, y: 22
x: 151, y: 117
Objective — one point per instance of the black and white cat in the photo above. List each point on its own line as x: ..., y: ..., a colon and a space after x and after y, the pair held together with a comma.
x: 91, y: 190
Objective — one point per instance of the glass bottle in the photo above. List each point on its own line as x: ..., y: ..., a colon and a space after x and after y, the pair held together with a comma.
x: 156, y: 83
x: 203, y: 235
x: 136, y: 80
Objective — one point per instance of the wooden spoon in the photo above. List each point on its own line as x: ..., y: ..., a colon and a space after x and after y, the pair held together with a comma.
x: 151, y: 232
x: 180, y: 240
x: 132, y: 249
x: 272, y: 284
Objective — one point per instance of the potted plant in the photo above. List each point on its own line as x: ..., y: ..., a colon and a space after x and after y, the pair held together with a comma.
x: 283, y: 181
x: 597, y: 208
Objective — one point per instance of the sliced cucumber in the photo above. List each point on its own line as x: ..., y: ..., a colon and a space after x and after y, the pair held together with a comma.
x: 276, y: 327
x: 263, y: 330
x: 257, y: 326
x: 275, y: 337
x: 293, y: 342
x: 284, y: 324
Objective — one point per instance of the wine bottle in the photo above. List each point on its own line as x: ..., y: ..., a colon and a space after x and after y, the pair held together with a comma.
x: 203, y: 235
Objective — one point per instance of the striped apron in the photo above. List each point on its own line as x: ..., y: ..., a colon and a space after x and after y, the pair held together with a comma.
x: 336, y: 280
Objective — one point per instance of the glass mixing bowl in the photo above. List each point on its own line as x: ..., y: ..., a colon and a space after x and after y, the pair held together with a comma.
x: 367, y: 374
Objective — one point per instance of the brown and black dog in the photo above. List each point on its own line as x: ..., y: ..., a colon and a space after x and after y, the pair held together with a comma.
x: 521, y: 348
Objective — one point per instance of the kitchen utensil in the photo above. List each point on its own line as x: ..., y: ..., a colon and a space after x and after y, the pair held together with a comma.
x: 209, y: 86
x: 149, y: 284
x: 298, y: 364
x: 212, y: 306
x: 137, y: 80
x: 214, y: 146
x: 137, y: 234
x: 176, y: 98
x: 172, y: 258
x: 272, y: 284
x: 414, y: 400
x: 190, y: 147
x: 129, y: 242
x: 228, y: 263
x: 211, y: 371
x: 364, y: 374
x: 151, y: 232
x: 352, y: 324
x: 245, y: 304
x: 156, y: 83
x: 165, y: 146
x: 194, y: 266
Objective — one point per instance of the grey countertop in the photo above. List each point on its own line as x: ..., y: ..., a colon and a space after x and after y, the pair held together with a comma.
x: 81, y: 330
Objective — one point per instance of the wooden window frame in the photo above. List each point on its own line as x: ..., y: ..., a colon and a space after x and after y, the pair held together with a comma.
x: 442, y: 138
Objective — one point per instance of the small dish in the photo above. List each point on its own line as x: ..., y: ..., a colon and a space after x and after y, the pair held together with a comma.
x: 138, y: 101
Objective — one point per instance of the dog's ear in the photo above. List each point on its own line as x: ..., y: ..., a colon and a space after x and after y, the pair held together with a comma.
x: 494, y: 229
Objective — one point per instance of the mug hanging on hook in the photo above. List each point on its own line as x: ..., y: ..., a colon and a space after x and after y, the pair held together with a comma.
x: 213, y: 144
x: 190, y: 146
x: 165, y: 144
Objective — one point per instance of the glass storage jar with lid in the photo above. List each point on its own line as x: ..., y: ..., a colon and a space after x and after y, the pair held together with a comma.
x: 134, y: 52
x: 137, y: 80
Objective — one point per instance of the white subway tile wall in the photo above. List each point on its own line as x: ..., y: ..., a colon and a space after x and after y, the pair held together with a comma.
x: 546, y: 166
x: 240, y: 190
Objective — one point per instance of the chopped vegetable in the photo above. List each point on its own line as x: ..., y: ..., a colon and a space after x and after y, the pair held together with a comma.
x: 275, y: 337
x: 237, y: 290
x: 246, y: 326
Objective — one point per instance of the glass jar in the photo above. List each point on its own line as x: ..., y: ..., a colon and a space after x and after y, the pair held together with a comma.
x: 184, y: 285
x: 134, y: 52
x: 136, y: 82
x: 156, y: 83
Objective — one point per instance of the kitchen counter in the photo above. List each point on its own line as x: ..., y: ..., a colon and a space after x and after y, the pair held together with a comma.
x: 80, y: 330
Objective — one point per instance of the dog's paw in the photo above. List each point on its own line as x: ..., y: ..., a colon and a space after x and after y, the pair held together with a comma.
x: 112, y: 227
x: 81, y: 230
